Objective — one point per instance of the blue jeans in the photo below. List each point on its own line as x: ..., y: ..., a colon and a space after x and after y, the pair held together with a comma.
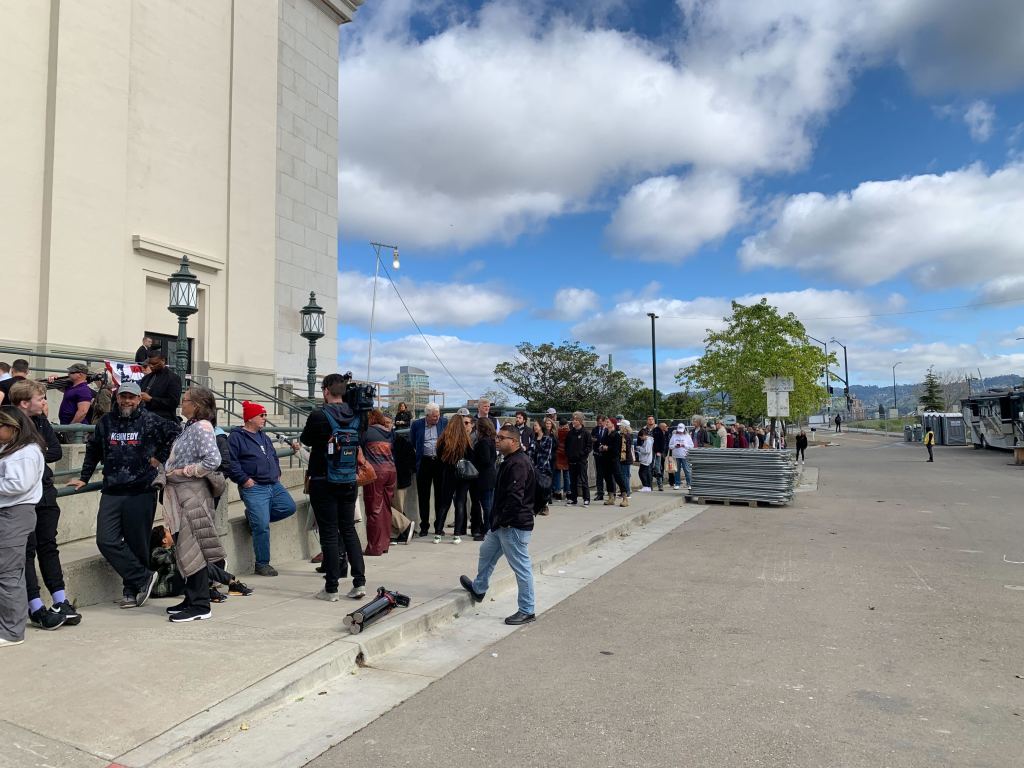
x: 512, y: 543
x: 487, y: 506
x: 627, y: 471
x: 560, y: 481
x: 685, y: 465
x: 265, y: 504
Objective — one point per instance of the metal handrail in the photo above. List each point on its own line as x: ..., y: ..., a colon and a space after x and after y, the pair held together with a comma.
x: 55, y: 355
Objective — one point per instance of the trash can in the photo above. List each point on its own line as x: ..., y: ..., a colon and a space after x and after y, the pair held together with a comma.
x: 908, y: 433
x: 918, y: 433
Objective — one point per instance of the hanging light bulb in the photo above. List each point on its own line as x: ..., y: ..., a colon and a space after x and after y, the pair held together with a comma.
x: 395, y: 263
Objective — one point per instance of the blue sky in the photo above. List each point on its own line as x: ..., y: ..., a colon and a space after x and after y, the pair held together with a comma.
x: 555, y: 171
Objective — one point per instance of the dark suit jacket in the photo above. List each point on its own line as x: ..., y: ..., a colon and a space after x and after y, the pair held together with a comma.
x: 417, y: 431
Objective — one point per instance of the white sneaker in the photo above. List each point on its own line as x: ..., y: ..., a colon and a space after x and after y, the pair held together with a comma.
x: 675, y: 487
x: 356, y: 592
x: 437, y: 539
x: 456, y: 539
x: 330, y: 597
x: 10, y: 642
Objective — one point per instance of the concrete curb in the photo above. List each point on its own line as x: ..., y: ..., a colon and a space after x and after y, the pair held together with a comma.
x: 345, y: 653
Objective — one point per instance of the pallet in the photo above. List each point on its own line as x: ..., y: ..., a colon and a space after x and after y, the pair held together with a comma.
x: 735, y: 502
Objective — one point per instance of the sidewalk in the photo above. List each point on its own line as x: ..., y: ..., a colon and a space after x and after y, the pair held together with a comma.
x: 129, y: 688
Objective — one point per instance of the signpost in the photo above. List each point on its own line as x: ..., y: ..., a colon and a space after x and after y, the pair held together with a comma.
x: 777, y: 389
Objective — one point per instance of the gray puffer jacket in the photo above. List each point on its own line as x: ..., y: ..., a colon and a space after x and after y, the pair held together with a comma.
x: 188, y: 509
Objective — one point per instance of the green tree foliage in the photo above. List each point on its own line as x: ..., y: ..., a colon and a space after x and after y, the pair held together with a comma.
x: 758, y: 342
x: 680, y: 406
x: 933, y: 398
x: 568, y: 377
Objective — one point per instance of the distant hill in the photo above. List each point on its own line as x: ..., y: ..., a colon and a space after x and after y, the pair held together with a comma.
x: 907, y: 394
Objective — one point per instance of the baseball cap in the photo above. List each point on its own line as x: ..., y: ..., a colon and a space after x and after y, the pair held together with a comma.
x: 463, y: 412
x: 129, y: 388
x: 551, y: 412
x: 680, y: 428
x: 78, y: 368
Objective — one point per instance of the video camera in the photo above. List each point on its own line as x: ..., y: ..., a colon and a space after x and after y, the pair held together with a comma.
x: 61, y: 383
x: 359, y: 397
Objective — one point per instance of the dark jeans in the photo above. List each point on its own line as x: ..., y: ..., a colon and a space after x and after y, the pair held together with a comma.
x: 600, y: 472
x: 617, y: 478
x: 645, y: 475
x: 197, y: 587
x: 334, y: 505
x: 930, y: 456
x: 123, y: 525
x: 42, y: 542
x: 578, y: 471
x: 453, y: 489
x: 428, y: 476
x: 487, y: 505
x: 476, y: 509
x: 801, y: 453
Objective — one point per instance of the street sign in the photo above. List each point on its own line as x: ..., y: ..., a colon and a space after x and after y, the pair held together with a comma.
x: 778, y: 404
x: 893, y: 413
x: 778, y: 384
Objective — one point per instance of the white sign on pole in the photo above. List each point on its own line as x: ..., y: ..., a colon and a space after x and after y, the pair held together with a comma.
x: 893, y: 413
x: 778, y: 384
x: 778, y: 405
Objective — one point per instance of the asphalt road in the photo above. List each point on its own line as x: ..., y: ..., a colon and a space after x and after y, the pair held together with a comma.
x: 873, y: 623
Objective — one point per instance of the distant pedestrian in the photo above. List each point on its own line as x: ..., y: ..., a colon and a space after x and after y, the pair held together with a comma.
x: 839, y: 423
x: 377, y: 443
x: 929, y: 441
x: 543, y: 464
x: 423, y: 434
x: 403, y: 417
x: 644, y: 458
x: 142, y: 353
x: 161, y: 387
x: 511, y: 529
x: 453, y: 447
x: 482, y: 489
x: 77, y: 397
x: 801, y: 447
x: 577, y: 453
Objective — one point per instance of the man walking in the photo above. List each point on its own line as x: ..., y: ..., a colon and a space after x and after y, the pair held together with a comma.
x: 929, y: 441
x: 423, y: 434
x: 255, y: 468
x: 577, y: 452
x: 161, y: 388
x: 131, y: 443
x: 511, y: 528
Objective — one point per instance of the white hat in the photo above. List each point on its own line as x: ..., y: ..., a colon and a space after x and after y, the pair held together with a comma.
x: 551, y: 412
x: 625, y: 423
x: 680, y: 428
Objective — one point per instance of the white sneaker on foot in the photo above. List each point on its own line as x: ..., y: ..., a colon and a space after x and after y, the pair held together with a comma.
x: 437, y: 539
x: 356, y: 592
x: 456, y: 539
x: 330, y: 597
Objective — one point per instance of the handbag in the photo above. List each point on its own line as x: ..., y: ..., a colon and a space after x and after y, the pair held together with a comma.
x: 465, y: 469
x: 365, y: 473
x: 670, y: 464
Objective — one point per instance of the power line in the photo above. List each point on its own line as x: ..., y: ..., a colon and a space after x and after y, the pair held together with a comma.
x: 877, y: 314
x: 422, y: 335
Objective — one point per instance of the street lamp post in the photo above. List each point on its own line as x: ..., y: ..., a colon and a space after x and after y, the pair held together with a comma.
x: 894, y: 406
x: 654, y: 365
x: 312, y: 329
x: 824, y: 344
x: 373, y: 306
x: 846, y: 370
x: 184, y: 302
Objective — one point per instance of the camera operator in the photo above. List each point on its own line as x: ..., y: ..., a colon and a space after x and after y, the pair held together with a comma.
x: 161, y: 387
x: 77, y: 397
x: 334, y: 504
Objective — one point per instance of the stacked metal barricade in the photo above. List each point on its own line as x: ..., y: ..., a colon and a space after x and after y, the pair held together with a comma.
x: 743, y: 475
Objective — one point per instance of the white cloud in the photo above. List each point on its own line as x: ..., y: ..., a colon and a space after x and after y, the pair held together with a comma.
x: 572, y: 304
x: 517, y: 113
x: 958, y: 228
x: 683, y: 324
x: 980, y: 117
x: 669, y: 217
x: 873, y: 364
x: 458, y: 305
x: 471, y: 362
x: 1008, y: 289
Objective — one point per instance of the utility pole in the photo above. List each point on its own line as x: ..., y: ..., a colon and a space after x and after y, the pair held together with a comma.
x: 654, y: 365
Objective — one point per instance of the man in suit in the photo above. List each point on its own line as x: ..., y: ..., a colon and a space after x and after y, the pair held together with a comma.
x: 597, y: 438
x: 423, y: 433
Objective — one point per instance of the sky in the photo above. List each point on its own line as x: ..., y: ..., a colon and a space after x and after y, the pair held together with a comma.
x: 555, y: 170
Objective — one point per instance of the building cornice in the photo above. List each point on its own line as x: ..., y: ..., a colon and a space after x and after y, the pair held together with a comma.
x: 342, y: 11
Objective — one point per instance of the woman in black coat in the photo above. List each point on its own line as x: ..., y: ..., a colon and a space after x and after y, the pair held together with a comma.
x: 484, y: 457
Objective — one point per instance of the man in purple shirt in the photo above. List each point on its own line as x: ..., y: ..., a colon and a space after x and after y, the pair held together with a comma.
x: 77, y: 396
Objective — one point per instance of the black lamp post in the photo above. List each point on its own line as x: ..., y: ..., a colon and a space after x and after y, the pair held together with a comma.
x: 184, y: 302
x: 846, y: 370
x: 312, y: 329
x: 654, y: 366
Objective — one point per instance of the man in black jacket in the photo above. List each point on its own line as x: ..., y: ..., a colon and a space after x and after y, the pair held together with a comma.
x: 577, y: 452
x: 131, y: 442
x: 511, y: 528
x: 334, y: 504
x: 597, y: 436
x: 660, y: 449
x: 30, y: 397
x: 161, y: 388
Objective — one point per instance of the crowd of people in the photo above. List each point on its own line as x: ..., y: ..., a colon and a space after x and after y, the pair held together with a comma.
x: 494, y: 478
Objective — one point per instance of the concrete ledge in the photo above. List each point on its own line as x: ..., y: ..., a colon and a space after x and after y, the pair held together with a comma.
x: 344, y: 654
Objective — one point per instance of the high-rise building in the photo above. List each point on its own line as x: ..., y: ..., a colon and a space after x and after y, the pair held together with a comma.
x: 412, y: 387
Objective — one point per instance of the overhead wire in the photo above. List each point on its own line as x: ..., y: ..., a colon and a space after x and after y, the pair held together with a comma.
x: 423, y: 335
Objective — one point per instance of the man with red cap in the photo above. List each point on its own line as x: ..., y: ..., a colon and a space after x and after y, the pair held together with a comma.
x: 255, y: 468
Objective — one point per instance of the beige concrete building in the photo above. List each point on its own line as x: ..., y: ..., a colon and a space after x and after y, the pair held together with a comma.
x: 135, y: 131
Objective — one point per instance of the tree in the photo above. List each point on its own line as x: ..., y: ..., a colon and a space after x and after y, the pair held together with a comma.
x: 498, y: 398
x: 758, y: 342
x: 680, y: 405
x: 567, y: 377
x: 932, y: 398
x: 640, y: 403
